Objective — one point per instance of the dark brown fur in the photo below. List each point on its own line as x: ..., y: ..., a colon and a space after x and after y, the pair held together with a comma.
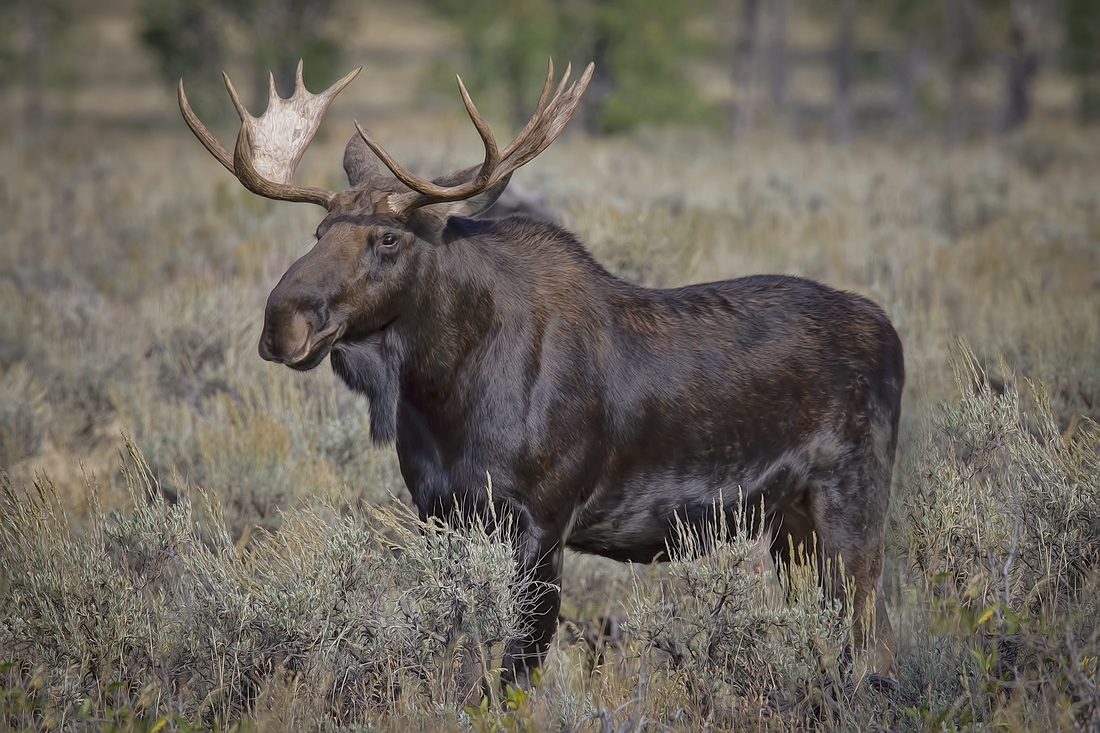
x: 602, y: 410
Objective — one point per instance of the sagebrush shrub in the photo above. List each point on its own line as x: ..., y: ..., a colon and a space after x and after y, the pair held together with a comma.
x: 739, y: 644
x: 1005, y: 511
x: 367, y: 613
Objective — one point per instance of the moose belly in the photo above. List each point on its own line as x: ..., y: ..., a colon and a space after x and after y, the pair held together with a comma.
x: 637, y: 520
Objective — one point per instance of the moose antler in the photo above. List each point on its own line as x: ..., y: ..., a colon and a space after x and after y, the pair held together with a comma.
x: 269, y: 147
x: 545, y: 125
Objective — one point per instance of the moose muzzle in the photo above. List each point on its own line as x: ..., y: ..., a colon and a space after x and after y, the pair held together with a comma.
x: 297, y: 337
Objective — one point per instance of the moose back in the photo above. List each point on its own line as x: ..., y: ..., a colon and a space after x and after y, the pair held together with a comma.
x: 605, y: 412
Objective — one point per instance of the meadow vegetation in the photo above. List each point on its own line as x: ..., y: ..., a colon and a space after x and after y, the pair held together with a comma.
x: 191, y: 537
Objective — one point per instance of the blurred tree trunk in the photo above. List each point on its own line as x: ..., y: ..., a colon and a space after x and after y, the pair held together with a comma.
x: 778, y: 59
x: 1022, y: 67
x: 908, y: 105
x: 746, y: 63
x: 917, y: 26
x: 961, y: 49
x: 1081, y: 23
x: 601, y: 85
x: 844, y: 65
x: 35, y: 56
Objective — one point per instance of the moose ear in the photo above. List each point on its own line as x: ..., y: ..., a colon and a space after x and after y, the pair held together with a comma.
x: 359, y: 162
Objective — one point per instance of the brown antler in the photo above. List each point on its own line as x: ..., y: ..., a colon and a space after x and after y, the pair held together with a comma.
x: 269, y: 147
x: 545, y: 125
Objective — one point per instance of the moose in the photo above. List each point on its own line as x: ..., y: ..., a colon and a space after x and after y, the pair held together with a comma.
x: 607, y: 414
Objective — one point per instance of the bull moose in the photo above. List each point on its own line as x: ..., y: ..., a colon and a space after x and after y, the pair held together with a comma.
x: 606, y: 413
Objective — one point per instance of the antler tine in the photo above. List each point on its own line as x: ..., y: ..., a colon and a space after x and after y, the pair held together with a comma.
x: 242, y: 111
x: 540, y: 114
x: 337, y: 86
x: 572, y: 99
x: 273, y: 93
x: 549, y: 118
x: 426, y: 192
x: 546, y: 129
x: 219, y: 151
x: 540, y: 108
x: 492, y: 153
x: 400, y: 173
x: 269, y: 147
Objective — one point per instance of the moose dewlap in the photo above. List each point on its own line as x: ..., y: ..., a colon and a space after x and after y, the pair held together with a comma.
x: 605, y: 412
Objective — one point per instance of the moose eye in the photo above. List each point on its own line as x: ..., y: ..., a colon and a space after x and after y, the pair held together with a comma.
x: 389, y: 239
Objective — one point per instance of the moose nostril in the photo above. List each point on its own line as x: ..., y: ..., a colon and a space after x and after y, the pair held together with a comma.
x: 265, y: 348
x: 268, y: 347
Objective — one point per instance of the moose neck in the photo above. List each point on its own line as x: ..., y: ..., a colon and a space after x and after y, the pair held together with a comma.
x: 489, y: 288
x: 484, y: 289
x: 446, y: 314
x: 453, y: 309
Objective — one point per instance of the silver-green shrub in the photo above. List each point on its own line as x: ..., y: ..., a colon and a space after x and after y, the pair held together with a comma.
x: 364, y: 615
x: 737, y: 643
x: 1005, y: 513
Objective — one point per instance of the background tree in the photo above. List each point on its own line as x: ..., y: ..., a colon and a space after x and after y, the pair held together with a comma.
x: 761, y: 62
x: 506, y: 44
x: 961, y: 38
x: 640, y: 48
x: 1021, y: 64
x: 962, y: 54
x: 192, y: 38
x: 915, y: 26
x: 1081, y: 20
x: 185, y: 37
x: 746, y: 63
x: 30, y: 31
x: 844, y: 63
x: 646, y: 47
x: 778, y: 54
x: 284, y: 31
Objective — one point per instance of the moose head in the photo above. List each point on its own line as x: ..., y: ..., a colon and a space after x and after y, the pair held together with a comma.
x: 359, y: 276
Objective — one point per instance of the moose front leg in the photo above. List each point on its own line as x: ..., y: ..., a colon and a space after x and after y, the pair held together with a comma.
x: 539, y: 566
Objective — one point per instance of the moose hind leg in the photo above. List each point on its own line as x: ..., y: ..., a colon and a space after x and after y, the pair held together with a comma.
x: 849, y: 517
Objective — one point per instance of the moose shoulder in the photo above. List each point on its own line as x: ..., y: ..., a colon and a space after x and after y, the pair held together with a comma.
x: 605, y: 412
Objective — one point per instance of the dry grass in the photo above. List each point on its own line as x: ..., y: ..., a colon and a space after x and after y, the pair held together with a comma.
x: 247, y: 563
x: 132, y: 303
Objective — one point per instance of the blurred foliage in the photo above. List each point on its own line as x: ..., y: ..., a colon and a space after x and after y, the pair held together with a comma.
x: 9, y: 56
x: 32, y: 49
x: 198, y: 38
x: 934, y: 50
x: 639, y: 48
x: 20, y: 20
x: 183, y: 35
x: 928, y: 51
x: 1082, y: 24
x: 979, y: 25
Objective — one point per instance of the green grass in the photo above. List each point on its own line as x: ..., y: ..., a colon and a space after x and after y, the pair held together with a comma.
x: 243, y: 560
